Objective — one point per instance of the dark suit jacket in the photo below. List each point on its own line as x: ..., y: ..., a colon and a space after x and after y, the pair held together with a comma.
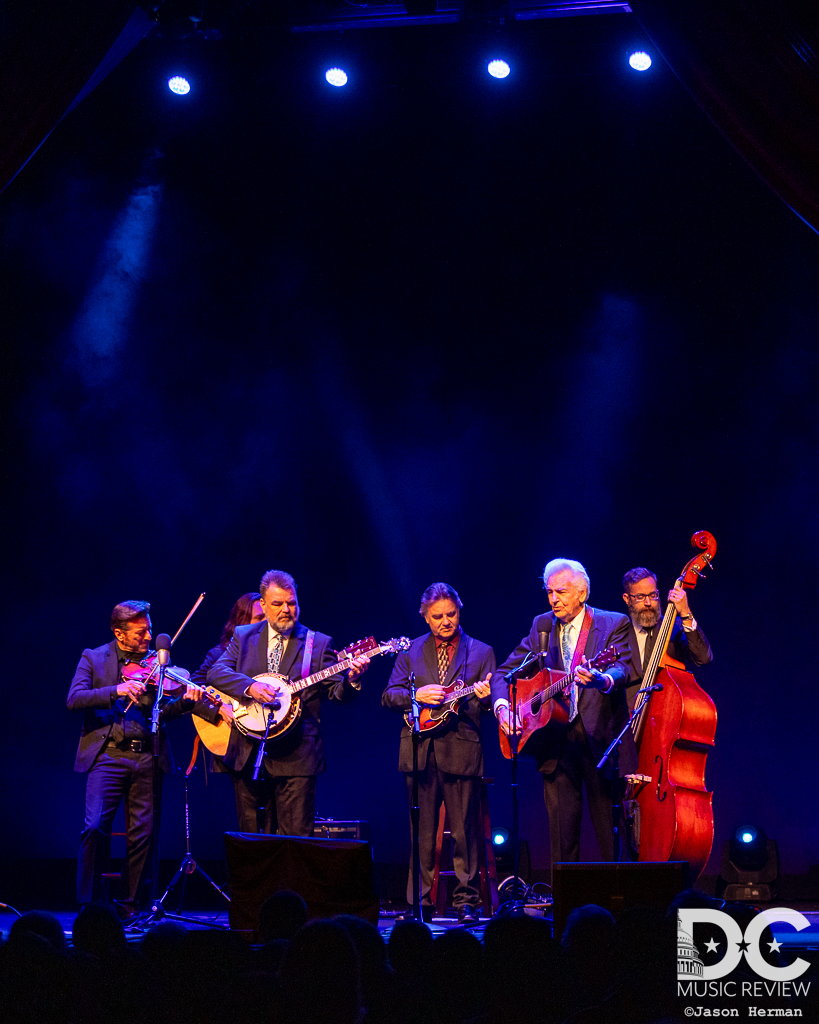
x: 458, y: 747
x: 603, y: 714
x: 300, y: 751
x: 94, y: 691
x: 691, y: 647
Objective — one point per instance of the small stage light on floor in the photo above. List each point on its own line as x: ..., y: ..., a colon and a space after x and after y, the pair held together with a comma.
x: 750, y: 866
x: 498, y: 68
x: 336, y: 77
x: 639, y: 60
x: 179, y: 85
x: 500, y: 837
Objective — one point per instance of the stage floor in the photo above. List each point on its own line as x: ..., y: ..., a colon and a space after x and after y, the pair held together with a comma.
x: 808, y: 938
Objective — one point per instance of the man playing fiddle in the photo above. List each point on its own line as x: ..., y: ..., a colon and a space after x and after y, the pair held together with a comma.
x: 116, y: 750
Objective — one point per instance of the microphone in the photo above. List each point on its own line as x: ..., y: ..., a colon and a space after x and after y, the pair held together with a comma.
x: 654, y: 688
x: 163, y: 648
x: 527, y: 669
x: 543, y: 639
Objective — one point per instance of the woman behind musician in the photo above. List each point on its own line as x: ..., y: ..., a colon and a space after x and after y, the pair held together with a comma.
x: 247, y: 609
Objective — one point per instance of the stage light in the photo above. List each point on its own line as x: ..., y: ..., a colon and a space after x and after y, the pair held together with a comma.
x: 498, y: 68
x: 181, y: 86
x: 500, y: 836
x: 640, y: 60
x: 750, y: 866
x: 336, y: 77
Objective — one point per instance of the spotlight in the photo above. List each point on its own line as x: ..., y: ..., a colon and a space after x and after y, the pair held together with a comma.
x: 640, y: 60
x: 336, y: 77
x: 750, y: 866
x: 498, y: 68
x: 179, y: 85
x: 500, y: 836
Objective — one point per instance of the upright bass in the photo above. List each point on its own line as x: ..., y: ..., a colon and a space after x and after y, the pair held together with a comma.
x: 670, y: 810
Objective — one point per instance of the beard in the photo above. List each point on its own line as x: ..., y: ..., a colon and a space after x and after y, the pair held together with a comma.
x: 647, y: 617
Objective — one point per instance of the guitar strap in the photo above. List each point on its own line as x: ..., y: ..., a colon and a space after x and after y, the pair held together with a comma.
x: 308, y: 653
x: 580, y: 646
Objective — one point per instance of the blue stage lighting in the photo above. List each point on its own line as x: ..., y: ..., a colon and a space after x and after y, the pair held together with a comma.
x: 498, y: 68
x: 746, y: 835
x: 640, y: 60
x: 499, y: 836
x: 336, y: 76
x: 181, y: 86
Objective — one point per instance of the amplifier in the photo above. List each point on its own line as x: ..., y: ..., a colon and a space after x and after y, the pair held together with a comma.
x: 330, y: 828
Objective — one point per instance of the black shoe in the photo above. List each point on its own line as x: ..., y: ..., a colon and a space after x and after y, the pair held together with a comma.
x: 468, y: 915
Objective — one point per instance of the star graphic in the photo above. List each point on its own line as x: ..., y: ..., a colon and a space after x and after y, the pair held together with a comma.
x: 743, y: 945
x: 775, y: 946
x: 712, y: 946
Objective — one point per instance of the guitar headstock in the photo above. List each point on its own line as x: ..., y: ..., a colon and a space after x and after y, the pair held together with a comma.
x: 604, y: 658
x: 400, y: 643
x: 358, y: 648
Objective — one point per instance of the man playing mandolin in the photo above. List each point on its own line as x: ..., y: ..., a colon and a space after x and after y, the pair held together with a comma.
x: 292, y: 761
x: 445, y: 661
x: 587, y: 715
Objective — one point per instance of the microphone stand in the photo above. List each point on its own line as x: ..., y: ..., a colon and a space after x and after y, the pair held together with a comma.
x: 515, y: 907
x: 163, y: 656
x: 613, y: 752
x: 273, y: 705
x: 415, y: 811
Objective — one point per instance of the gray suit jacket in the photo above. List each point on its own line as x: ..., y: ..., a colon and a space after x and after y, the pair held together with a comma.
x: 94, y: 691
x: 603, y: 714
x: 299, y: 751
x: 457, y: 743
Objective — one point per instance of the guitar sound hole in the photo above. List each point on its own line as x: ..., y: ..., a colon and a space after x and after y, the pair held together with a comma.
x: 536, y: 703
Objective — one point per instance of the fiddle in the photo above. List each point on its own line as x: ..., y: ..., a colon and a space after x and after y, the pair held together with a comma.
x: 146, y: 671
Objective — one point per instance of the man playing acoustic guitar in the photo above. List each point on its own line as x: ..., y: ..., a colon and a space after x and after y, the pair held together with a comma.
x: 450, y: 756
x: 586, y: 717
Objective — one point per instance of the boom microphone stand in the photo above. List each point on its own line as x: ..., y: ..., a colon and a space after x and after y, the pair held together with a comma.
x: 613, y: 752
x: 415, y: 811
x: 187, y: 867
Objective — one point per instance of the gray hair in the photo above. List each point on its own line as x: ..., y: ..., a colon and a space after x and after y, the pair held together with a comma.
x: 277, y: 578
x: 564, y: 565
x: 438, y: 592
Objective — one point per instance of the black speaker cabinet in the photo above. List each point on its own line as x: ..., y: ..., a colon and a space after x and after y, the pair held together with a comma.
x: 333, y: 876
x: 616, y: 886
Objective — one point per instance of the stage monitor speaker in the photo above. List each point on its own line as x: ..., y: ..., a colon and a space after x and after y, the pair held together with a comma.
x: 332, y: 876
x: 616, y: 886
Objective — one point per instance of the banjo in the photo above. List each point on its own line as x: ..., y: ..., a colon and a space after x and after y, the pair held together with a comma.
x: 252, y: 718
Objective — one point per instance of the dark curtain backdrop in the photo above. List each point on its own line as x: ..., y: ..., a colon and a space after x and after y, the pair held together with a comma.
x: 427, y: 328
x: 753, y: 67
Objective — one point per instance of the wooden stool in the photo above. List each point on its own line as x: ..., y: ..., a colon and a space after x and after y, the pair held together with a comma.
x: 110, y: 876
x: 488, y: 873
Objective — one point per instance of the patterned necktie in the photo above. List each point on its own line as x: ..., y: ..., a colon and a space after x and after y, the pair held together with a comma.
x: 649, y: 647
x: 567, y: 652
x: 274, y: 657
x: 443, y: 661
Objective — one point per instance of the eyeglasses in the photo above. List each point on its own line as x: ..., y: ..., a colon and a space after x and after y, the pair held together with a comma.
x: 653, y: 596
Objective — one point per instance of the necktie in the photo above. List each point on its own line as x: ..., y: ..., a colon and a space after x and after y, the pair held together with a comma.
x: 567, y: 652
x: 443, y: 662
x: 649, y: 647
x: 274, y: 657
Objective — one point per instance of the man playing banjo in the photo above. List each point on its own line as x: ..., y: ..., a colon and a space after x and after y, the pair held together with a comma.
x: 292, y: 761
